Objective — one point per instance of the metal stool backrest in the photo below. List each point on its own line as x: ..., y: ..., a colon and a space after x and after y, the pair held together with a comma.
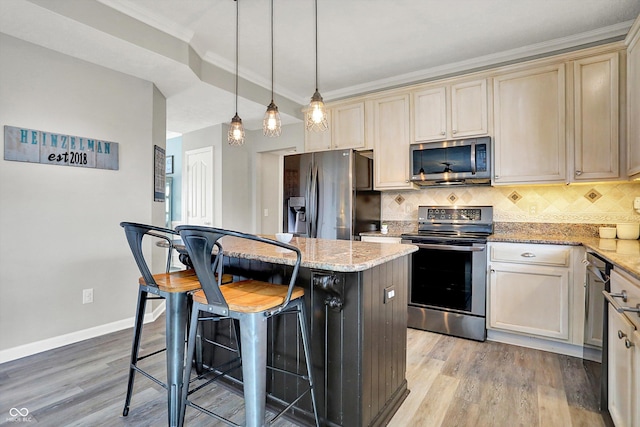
x: 135, y: 234
x: 200, y: 242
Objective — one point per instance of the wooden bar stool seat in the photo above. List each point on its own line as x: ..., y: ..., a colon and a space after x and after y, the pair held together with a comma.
x: 252, y: 296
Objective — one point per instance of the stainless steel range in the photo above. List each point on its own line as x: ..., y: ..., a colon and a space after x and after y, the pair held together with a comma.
x: 449, y: 272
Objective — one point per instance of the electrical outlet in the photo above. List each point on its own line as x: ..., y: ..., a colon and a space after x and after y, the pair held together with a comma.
x: 87, y: 296
x: 533, y: 209
x: 266, y: 212
x: 389, y: 294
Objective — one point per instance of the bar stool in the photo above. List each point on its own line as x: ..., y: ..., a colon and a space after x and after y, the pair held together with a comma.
x: 251, y: 302
x: 174, y: 287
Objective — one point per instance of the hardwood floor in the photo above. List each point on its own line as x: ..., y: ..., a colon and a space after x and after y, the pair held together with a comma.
x: 456, y: 382
x: 453, y: 382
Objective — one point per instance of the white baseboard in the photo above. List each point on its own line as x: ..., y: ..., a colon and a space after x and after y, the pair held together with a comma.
x: 536, y: 343
x: 73, y: 337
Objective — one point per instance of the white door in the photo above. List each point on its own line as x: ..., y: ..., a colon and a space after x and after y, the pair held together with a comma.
x: 199, y: 186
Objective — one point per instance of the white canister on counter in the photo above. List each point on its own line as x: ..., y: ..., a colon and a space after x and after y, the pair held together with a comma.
x: 630, y: 231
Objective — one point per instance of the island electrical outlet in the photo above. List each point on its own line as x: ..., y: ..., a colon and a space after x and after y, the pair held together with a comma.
x: 87, y: 296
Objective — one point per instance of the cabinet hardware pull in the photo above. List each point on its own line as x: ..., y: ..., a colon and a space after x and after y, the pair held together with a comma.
x: 454, y: 131
x: 578, y: 173
x: 622, y: 295
x: 620, y: 309
x: 528, y: 255
x: 628, y: 343
x: 442, y: 133
x: 621, y: 334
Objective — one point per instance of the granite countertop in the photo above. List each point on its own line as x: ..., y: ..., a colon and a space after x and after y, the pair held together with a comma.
x: 322, y: 254
x: 624, y: 254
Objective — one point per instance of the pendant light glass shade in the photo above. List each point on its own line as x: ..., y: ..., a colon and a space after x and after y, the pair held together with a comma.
x: 316, y: 116
x: 271, y: 125
x: 236, y: 130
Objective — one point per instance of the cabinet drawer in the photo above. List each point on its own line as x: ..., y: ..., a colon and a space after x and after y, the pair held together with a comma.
x: 553, y: 255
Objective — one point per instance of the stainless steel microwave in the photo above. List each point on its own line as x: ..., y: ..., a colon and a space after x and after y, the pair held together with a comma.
x: 461, y: 162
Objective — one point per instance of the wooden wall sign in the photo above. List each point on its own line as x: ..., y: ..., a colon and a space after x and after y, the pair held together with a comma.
x: 35, y: 146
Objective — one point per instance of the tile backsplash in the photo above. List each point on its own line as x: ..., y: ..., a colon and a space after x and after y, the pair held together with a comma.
x: 593, y: 203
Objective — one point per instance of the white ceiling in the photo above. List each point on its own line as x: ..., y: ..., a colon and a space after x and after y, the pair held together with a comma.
x: 187, y: 47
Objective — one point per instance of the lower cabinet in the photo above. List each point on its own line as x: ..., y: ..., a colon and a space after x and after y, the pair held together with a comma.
x: 624, y: 355
x: 531, y: 291
x: 621, y: 355
x: 531, y: 300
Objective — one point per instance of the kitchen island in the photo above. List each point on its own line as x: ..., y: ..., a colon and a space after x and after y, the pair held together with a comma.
x: 356, y: 295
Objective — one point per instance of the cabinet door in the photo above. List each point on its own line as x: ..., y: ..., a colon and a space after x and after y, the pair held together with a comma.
x: 347, y: 125
x: 635, y: 402
x: 633, y: 100
x: 391, y: 140
x: 469, y: 109
x: 620, y: 368
x: 430, y: 114
x: 318, y: 141
x: 531, y: 300
x: 530, y: 143
x: 596, y: 153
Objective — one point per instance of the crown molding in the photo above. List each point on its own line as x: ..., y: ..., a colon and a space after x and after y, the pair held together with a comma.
x: 548, y: 48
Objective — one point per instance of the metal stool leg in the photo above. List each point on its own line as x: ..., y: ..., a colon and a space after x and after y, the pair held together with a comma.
x: 302, y: 318
x: 193, y: 330
x: 176, y: 323
x: 135, y: 347
x: 253, y: 336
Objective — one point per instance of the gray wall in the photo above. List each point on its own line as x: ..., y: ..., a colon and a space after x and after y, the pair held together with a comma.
x: 238, y: 178
x: 59, y: 231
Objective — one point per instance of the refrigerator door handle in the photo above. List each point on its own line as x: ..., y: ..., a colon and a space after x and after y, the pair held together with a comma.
x: 313, y: 197
x: 308, y: 202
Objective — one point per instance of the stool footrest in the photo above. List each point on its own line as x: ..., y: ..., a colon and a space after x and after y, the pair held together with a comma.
x: 154, y: 379
x: 219, y: 374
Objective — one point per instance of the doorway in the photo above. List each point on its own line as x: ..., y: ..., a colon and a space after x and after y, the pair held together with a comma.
x: 198, y: 194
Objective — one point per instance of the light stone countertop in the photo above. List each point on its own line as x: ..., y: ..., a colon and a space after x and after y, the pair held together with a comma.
x: 624, y: 254
x: 321, y: 254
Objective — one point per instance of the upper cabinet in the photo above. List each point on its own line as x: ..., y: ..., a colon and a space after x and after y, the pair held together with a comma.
x: 389, y: 129
x: 346, y: 129
x: 453, y: 111
x: 633, y: 100
x: 348, y: 126
x: 596, y: 118
x: 529, y: 126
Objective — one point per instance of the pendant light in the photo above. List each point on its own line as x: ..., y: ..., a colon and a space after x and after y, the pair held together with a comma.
x: 271, y: 125
x: 236, y: 130
x: 316, y: 119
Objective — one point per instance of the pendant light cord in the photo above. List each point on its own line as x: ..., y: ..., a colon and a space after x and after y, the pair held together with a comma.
x: 272, y: 51
x: 316, y: 4
x: 237, y: 25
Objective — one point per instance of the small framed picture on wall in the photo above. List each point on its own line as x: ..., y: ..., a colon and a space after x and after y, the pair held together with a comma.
x: 169, y: 165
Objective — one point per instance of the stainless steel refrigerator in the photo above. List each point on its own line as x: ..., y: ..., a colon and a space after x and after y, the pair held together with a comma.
x: 329, y: 194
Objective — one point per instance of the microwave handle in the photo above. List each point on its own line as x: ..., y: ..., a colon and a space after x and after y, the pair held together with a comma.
x: 473, y: 158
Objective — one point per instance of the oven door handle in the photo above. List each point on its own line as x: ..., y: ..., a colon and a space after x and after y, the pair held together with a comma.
x: 450, y: 247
